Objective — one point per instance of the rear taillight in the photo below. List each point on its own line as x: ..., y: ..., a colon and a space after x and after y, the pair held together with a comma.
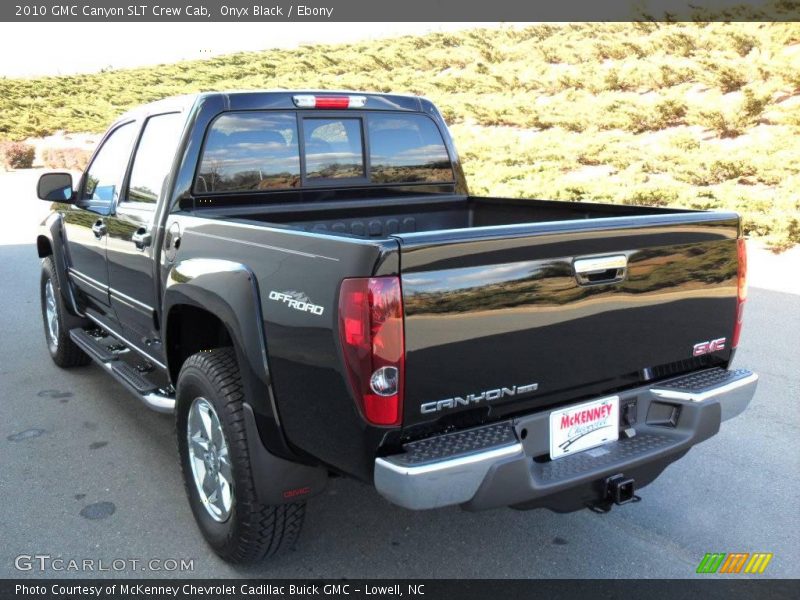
x: 329, y: 102
x: 741, y: 294
x: 371, y: 332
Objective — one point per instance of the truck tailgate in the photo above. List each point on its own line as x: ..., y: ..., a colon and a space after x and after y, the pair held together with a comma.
x: 509, y: 319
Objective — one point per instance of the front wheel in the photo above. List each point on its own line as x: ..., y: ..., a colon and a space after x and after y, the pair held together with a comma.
x: 63, y: 351
x: 212, y: 444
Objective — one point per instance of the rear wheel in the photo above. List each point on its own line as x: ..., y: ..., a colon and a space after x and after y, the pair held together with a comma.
x: 212, y: 444
x: 63, y: 351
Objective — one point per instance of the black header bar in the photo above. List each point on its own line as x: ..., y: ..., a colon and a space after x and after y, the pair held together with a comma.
x: 375, y: 589
x: 407, y: 10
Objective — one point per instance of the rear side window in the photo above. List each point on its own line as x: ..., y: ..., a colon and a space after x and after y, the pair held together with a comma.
x: 333, y: 148
x: 406, y: 149
x: 153, y: 160
x: 250, y: 152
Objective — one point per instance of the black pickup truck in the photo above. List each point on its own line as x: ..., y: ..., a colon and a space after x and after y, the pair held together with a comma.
x: 305, y: 281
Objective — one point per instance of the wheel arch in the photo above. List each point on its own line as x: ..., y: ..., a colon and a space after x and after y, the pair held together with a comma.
x: 191, y: 329
x: 223, y: 297
x: 216, y: 302
x: 51, y: 242
x: 44, y: 246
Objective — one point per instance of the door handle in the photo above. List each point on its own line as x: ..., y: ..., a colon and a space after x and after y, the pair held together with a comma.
x: 142, y: 238
x: 601, y: 269
x: 99, y: 228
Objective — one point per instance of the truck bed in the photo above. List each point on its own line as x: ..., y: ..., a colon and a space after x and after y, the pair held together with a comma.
x: 382, y: 218
x: 491, y: 287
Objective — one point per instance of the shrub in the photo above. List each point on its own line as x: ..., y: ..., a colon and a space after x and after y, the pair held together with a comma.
x: 685, y: 141
x: 17, y: 155
x: 734, y: 121
x: 614, y: 81
x: 670, y: 75
x: 665, y: 113
x: 571, y: 81
x: 791, y: 118
x: 65, y: 158
x: 573, y: 193
x: 723, y: 170
x: 542, y: 32
x: 671, y: 110
x: 614, y: 51
x: 680, y: 43
x: 742, y: 43
x: 728, y: 77
x: 789, y: 73
x: 590, y: 154
x: 651, y: 196
x: 753, y: 105
x: 724, y: 124
x: 717, y: 171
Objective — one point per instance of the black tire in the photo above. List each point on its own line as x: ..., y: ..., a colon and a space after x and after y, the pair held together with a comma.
x: 64, y: 352
x: 252, y: 531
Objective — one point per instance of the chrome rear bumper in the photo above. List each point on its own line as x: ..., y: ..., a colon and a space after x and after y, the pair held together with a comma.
x: 441, y: 483
x: 733, y: 396
x: 493, y: 466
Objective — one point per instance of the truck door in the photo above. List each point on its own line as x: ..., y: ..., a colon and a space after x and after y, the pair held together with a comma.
x: 86, y: 221
x: 132, y: 232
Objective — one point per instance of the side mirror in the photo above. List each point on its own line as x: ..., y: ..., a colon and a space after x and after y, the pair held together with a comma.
x: 56, y: 187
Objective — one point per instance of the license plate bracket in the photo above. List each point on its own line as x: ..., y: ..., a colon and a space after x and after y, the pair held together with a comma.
x: 583, y: 426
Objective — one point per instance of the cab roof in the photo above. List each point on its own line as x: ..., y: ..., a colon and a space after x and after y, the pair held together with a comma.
x: 271, y: 99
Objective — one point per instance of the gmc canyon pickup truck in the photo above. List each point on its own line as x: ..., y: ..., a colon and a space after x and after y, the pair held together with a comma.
x: 305, y: 281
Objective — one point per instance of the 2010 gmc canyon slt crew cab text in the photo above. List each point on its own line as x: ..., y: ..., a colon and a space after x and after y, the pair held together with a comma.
x: 304, y: 279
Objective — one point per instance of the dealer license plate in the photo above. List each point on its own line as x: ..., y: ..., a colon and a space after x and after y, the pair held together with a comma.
x: 584, y: 426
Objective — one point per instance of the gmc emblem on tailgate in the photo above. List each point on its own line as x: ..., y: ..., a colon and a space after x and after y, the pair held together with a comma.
x: 708, y: 347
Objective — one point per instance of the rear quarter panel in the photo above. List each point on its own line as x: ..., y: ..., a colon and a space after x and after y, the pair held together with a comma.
x: 303, y: 368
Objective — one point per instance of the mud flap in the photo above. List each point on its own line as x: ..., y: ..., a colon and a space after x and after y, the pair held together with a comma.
x: 279, y: 481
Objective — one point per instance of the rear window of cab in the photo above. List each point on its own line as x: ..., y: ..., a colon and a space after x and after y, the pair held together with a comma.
x: 279, y: 150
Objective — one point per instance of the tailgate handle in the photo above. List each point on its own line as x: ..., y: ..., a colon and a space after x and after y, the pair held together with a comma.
x: 600, y: 269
